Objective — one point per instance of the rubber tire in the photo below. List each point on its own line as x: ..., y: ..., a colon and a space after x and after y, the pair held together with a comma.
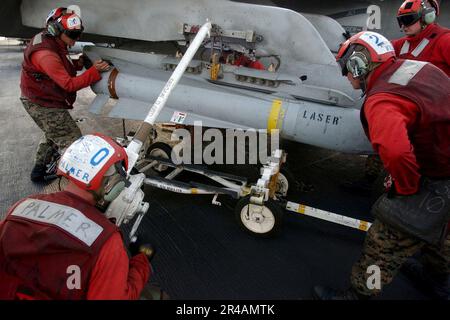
x: 272, y: 206
x: 292, y: 183
x: 167, y: 150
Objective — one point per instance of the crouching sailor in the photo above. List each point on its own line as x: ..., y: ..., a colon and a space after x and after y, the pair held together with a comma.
x: 61, y: 245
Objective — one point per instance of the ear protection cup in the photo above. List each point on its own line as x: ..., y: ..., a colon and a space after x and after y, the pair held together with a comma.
x: 114, y: 187
x: 428, y: 15
x: 115, y: 183
x: 115, y: 191
x: 53, y: 29
x: 357, y: 64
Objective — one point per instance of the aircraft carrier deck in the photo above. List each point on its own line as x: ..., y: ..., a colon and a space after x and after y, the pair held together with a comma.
x: 202, y: 253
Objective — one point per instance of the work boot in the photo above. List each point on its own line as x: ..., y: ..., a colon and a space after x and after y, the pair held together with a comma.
x: 153, y: 292
x: 42, y: 173
x: 434, y: 285
x: 38, y: 173
x: 362, y: 186
x: 327, y: 293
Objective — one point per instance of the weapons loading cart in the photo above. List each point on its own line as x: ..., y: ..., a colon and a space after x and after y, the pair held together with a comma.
x: 260, y: 208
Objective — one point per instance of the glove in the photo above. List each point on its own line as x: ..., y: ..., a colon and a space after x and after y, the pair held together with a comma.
x: 347, y: 35
x: 139, y: 247
x: 87, y: 63
x: 389, y: 186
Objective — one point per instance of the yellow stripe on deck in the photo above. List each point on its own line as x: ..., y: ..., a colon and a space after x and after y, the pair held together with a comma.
x: 363, y: 225
x: 301, y: 209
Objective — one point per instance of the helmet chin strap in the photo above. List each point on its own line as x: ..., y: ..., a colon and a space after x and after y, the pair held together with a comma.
x: 363, y: 85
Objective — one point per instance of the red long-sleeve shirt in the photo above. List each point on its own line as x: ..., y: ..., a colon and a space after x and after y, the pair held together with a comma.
x: 246, y: 62
x: 439, y: 56
x: 115, y: 277
x: 390, y: 117
x: 49, y: 63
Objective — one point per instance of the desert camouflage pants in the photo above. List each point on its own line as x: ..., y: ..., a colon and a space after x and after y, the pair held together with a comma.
x: 388, y: 249
x: 58, y: 126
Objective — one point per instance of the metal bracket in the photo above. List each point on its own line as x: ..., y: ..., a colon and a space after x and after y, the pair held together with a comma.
x: 214, y: 200
x: 265, y: 185
x: 216, y: 31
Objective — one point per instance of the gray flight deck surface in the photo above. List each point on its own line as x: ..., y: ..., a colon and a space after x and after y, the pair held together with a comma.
x: 201, y: 252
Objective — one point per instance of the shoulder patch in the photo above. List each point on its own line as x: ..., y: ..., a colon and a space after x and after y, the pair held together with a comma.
x: 420, y: 47
x: 405, y: 48
x: 406, y: 72
x: 37, y: 39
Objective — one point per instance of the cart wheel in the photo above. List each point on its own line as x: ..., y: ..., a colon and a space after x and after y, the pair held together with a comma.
x: 261, y: 221
x: 286, y: 184
x: 160, y: 150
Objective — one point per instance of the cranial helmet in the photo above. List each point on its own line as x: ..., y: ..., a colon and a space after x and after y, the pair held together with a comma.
x: 61, y: 20
x: 55, y: 14
x: 412, y: 11
x: 377, y: 49
x: 96, y: 163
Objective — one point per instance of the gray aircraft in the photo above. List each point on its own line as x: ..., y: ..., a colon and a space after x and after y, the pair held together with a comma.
x: 301, y: 91
x: 260, y: 67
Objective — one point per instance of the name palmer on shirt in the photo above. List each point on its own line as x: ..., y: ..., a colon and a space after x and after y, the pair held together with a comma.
x: 64, y: 217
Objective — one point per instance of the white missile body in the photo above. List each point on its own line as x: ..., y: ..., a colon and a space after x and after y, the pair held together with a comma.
x: 243, y: 98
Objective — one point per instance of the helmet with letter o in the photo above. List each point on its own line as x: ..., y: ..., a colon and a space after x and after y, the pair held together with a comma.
x: 96, y: 163
x: 412, y: 11
x: 362, y: 52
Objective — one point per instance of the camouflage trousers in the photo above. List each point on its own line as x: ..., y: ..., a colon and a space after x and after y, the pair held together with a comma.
x: 58, y: 126
x: 373, y: 167
x: 388, y: 249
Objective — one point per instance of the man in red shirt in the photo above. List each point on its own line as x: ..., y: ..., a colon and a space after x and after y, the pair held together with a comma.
x: 49, y: 83
x: 245, y: 61
x: 406, y: 116
x: 425, y: 40
x: 60, y: 246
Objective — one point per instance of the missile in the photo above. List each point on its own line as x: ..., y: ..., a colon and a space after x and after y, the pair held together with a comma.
x: 240, y: 98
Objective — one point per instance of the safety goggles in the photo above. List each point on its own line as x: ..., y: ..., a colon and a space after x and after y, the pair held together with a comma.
x: 74, y: 34
x: 343, y: 60
x: 343, y: 66
x: 408, y: 19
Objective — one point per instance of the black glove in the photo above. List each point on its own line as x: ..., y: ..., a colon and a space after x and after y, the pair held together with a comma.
x: 347, y: 35
x: 87, y: 63
x: 139, y: 247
